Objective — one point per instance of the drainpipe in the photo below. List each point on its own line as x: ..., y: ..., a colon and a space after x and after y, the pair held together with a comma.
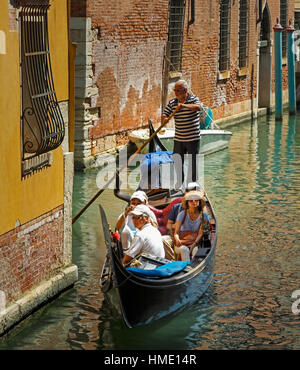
x: 192, y: 19
x: 278, y: 70
x: 259, y: 12
x: 291, y: 69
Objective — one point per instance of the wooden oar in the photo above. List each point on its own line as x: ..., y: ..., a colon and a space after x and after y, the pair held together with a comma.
x: 125, y: 165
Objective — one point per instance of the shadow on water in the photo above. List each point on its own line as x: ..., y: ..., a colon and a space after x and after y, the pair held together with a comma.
x: 183, y: 329
x: 254, y: 187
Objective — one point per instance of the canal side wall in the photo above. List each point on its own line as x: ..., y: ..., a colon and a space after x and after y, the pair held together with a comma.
x: 122, y: 75
x: 36, y: 191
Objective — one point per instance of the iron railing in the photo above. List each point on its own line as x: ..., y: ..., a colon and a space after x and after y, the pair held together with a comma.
x: 284, y: 24
x: 243, y: 33
x: 224, y: 38
x: 175, y: 33
x: 42, y: 122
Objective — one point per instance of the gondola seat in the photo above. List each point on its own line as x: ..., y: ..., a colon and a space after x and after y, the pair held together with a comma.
x: 162, y: 215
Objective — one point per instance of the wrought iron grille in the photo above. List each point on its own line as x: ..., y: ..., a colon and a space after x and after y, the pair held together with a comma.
x: 175, y: 32
x: 243, y: 33
x: 224, y: 38
x: 284, y: 24
x: 42, y: 122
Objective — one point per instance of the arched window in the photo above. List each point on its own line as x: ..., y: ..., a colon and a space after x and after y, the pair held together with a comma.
x: 284, y: 24
x: 175, y: 33
x: 243, y: 33
x: 265, y: 26
x: 224, y: 36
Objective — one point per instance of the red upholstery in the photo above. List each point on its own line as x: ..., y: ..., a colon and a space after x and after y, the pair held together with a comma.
x: 162, y: 215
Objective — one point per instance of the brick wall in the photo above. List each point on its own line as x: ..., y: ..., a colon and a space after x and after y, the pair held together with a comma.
x: 31, y: 253
x: 78, y: 8
x: 126, y: 57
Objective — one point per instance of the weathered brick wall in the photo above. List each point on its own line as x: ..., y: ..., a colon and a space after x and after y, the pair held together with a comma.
x: 31, y: 253
x: 126, y: 48
x: 127, y: 57
x: 200, y: 57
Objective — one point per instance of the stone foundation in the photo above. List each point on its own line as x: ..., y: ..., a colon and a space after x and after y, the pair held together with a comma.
x: 33, y: 266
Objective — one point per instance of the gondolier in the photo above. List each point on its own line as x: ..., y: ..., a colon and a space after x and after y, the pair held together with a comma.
x: 187, y: 129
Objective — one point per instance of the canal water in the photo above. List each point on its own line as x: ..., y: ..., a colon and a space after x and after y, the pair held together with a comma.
x: 254, y: 186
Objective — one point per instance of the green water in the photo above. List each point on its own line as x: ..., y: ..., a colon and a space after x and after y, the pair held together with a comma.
x: 254, y: 186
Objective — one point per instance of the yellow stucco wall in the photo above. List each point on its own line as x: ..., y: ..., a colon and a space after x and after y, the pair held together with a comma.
x: 27, y: 198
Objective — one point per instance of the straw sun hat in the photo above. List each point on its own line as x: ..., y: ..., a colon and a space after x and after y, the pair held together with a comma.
x: 193, y: 195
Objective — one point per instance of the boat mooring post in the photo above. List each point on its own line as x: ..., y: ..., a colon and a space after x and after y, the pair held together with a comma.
x: 291, y: 69
x: 278, y: 70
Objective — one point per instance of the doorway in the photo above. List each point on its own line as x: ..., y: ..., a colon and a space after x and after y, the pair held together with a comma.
x: 265, y: 61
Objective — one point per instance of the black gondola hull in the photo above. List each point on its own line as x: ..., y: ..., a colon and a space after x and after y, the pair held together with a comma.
x: 141, y: 301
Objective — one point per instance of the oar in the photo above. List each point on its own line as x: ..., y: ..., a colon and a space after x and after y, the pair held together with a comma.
x: 125, y: 165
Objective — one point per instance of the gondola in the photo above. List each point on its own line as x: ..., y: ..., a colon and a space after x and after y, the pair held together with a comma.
x: 212, y: 140
x: 140, y: 300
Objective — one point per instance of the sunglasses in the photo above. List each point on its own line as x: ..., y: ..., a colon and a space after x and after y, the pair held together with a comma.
x: 136, y: 217
x: 178, y: 90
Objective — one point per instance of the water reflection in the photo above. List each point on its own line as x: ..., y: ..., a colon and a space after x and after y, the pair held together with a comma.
x: 254, y: 187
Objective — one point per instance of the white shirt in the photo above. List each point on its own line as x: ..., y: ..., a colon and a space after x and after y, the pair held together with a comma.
x: 149, y: 240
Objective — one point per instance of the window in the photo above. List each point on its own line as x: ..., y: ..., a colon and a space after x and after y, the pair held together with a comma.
x: 265, y: 26
x: 42, y: 122
x: 284, y: 24
x: 175, y: 33
x: 243, y: 33
x: 224, y: 38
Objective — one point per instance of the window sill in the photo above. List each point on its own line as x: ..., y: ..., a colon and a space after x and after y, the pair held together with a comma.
x: 175, y: 75
x: 284, y: 61
x: 33, y: 164
x: 223, y: 75
x: 243, y: 72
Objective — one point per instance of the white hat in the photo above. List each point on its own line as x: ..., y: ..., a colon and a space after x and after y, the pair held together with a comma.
x: 141, y: 209
x: 193, y: 186
x: 141, y: 195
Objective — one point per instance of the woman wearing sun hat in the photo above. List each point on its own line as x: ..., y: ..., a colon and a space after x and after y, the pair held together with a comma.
x: 190, y: 224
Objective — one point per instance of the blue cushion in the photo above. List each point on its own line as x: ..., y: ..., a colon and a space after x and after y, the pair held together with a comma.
x: 166, y: 270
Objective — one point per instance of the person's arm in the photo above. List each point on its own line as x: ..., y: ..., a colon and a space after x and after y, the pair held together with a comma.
x: 170, y: 225
x: 126, y: 259
x: 172, y: 219
x: 177, y: 241
x: 134, y: 249
x: 163, y: 118
x: 121, y: 220
x: 193, y: 107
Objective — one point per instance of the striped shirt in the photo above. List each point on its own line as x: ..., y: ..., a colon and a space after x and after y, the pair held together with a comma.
x: 187, y: 122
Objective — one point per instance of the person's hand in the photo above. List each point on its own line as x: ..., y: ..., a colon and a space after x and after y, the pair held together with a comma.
x: 177, y: 241
x: 128, y: 210
x: 192, y: 246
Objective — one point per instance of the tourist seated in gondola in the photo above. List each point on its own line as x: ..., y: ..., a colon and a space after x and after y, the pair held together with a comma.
x: 125, y: 225
x: 168, y: 240
x: 148, y: 239
x: 190, y: 225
